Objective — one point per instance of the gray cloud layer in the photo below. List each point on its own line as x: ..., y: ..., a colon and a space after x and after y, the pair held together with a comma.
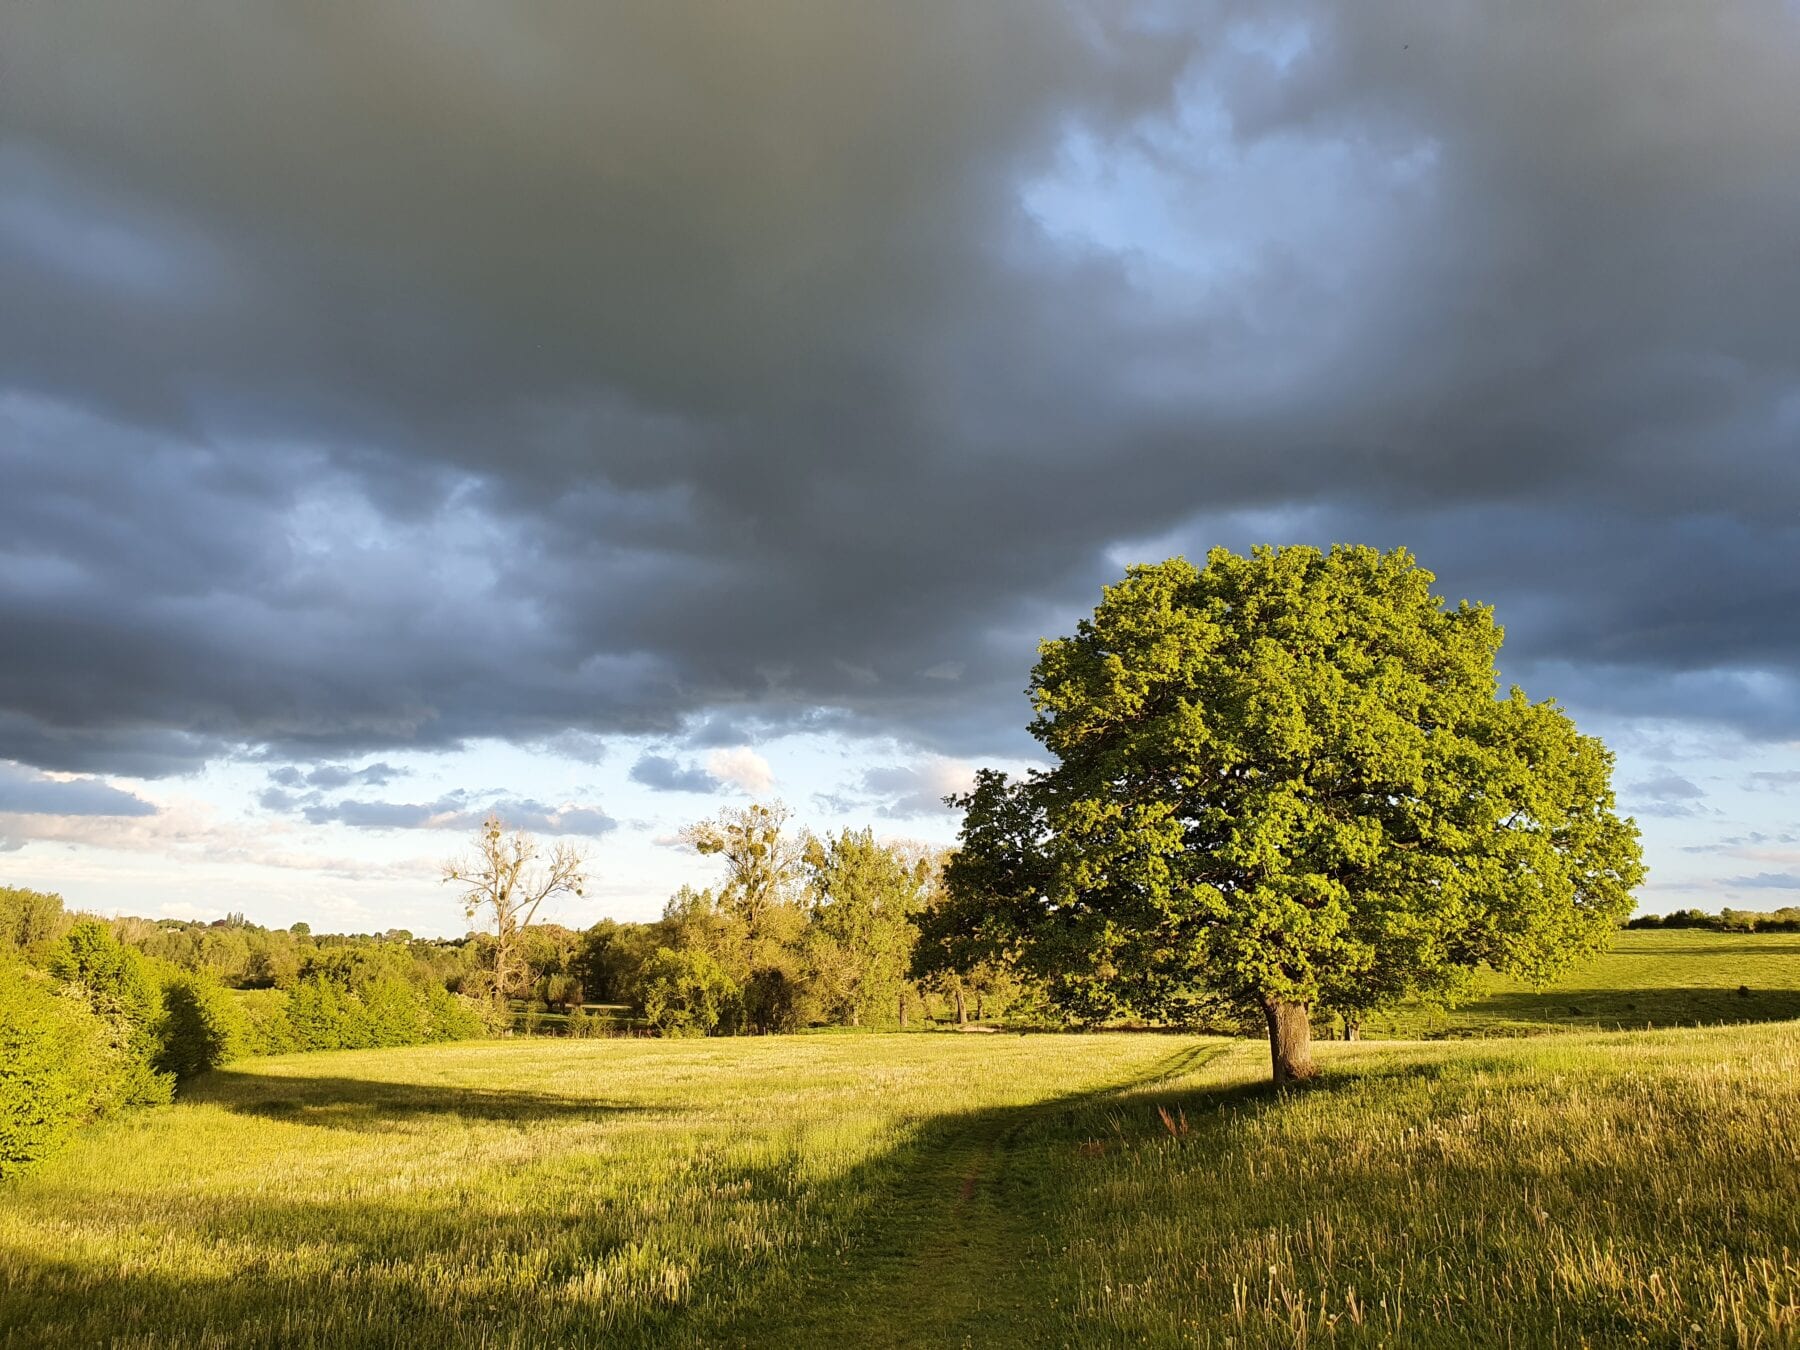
x: 28, y: 793
x: 664, y: 773
x: 385, y: 376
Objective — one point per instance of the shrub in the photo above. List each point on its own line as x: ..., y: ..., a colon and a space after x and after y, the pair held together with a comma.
x: 263, y: 1025
x: 113, y: 977
x: 452, y: 1017
x: 354, y: 999
x: 30, y: 921
x: 201, y: 1027
x: 115, y: 983
x: 323, y: 1015
x: 59, y: 1067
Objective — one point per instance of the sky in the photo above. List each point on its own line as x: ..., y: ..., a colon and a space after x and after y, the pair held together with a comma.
x: 605, y: 413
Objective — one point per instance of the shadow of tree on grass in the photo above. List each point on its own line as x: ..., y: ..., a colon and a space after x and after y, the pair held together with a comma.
x: 365, y: 1105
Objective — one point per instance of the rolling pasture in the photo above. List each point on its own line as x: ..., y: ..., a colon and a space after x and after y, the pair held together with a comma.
x: 936, y: 1189
x: 1649, y: 978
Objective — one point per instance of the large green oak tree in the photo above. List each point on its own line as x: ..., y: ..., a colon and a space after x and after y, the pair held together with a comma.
x: 1289, y: 782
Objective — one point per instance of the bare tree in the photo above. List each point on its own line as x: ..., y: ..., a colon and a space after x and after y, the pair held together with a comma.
x: 507, y: 878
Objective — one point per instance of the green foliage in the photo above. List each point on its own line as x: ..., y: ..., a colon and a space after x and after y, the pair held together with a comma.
x: 323, y: 1015
x: 559, y: 991
x: 114, y: 978
x: 688, y: 993
x: 31, y: 922
x: 263, y: 1024
x: 60, y: 1066
x: 860, y: 942
x: 117, y: 984
x: 1286, y: 780
x: 1784, y: 920
x: 200, y: 1028
x: 365, y: 997
x: 609, y: 958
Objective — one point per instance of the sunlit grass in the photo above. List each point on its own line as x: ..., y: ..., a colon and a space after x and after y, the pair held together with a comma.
x: 1626, y: 1189
x: 503, y: 1193
x: 1661, y: 978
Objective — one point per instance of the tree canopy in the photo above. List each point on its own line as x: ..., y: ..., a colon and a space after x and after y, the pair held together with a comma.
x: 1287, y: 782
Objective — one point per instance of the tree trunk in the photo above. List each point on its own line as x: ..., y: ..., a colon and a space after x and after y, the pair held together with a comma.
x: 1290, y: 1041
x: 980, y: 1004
x: 962, y: 1007
x: 1352, y: 1029
x: 903, y: 1010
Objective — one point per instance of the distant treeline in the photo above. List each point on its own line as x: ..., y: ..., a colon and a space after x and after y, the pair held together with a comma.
x: 1786, y: 920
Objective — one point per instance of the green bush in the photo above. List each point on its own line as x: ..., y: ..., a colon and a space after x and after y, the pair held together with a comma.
x: 201, y: 1027
x: 31, y: 922
x: 114, y: 978
x: 59, y: 1067
x: 368, y: 998
x: 115, y: 982
x: 452, y: 1017
x: 263, y: 1026
x: 323, y: 1015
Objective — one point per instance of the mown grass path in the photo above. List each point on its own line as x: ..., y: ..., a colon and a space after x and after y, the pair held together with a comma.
x: 956, y: 1253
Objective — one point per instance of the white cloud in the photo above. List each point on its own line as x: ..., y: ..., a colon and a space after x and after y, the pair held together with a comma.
x: 743, y: 767
x: 189, y: 832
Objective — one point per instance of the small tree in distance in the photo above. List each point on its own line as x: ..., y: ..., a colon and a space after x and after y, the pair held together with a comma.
x: 507, y: 879
x: 1288, y: 782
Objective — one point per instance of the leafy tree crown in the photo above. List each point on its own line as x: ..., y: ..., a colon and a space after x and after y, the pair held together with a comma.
x: 1291, y: 777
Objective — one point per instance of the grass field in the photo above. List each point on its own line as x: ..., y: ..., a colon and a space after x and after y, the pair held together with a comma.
x: 936, y: 1190
x: 1664, y: 978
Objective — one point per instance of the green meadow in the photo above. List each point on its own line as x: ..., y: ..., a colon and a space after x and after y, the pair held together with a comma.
x: 1649, y: 978
x: 936, y: 1189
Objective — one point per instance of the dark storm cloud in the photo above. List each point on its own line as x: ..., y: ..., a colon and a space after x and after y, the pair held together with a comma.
x: 26, y: 792
x: 664, y: 773
x: 380, y: 376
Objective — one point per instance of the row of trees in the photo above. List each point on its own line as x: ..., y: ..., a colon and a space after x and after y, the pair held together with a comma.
x: 803, y: 930
x: 1784, y: 920
x: 1282, y: 784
